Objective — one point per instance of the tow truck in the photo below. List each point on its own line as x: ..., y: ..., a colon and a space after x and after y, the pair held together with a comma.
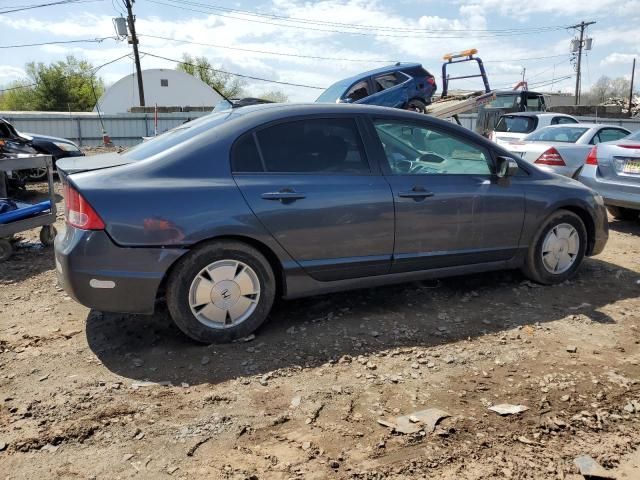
x: 490, y: 104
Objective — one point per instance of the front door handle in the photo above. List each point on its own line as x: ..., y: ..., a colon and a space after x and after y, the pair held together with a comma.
x: 416, y: 192
x: 284, y: 195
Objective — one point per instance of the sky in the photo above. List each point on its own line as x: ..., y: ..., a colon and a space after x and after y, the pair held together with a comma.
x: 351, y: 36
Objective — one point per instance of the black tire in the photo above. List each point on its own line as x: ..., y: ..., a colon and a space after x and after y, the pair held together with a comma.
x: 534, y: 266
x: 621, y: 213
x: 416, y: 105
x: 6, y: 249
x: 186, y: 271
x: 48, y: 235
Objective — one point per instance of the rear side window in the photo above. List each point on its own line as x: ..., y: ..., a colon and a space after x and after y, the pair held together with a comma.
x: 389, y: 80
x: 516, y: 124
x: 562, y: 120
x: 245, y: 156
x: 315, y: 146
x: 610, y: 134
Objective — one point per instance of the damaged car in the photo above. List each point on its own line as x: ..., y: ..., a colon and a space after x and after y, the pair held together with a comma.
x: 35, y: 143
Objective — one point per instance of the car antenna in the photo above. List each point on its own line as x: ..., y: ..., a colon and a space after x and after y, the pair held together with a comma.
x: 222, y: 95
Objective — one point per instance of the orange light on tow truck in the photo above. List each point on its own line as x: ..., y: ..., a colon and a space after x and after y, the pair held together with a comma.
x: 464, y: 53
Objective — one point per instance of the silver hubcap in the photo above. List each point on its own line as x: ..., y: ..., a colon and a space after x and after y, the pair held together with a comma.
x: 560, y: 248
x: 224, y: 294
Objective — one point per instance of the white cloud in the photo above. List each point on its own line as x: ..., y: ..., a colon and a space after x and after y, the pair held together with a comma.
x: 9, y: 73
x: 618, y: 58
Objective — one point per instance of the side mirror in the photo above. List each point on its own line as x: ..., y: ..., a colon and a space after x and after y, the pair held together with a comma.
x: 506, y: 167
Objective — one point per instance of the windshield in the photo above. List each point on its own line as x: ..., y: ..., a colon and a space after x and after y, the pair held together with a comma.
x: 516, y: 124
x: 176, y: 135
x: 503, y: 101
x: 333, y: 93
x: 557, y: 134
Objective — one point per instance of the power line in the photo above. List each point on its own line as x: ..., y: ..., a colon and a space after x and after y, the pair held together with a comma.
x: 18, y: 87
x: 61, y: 2
x: 59, y: 42
x: 180, y: 4
x: 524, y: 59
x: 361, y: 26
x: 250, y: 77
x: 266, y: 52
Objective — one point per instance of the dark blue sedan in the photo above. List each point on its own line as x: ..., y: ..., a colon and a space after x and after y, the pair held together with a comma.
x: 403, y: 85
x: 226, y: 213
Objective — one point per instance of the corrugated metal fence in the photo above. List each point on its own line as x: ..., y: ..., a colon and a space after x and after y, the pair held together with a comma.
x: 128, y: 129
x: 86, y: 128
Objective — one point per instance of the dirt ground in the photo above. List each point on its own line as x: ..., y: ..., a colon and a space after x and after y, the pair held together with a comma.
x: 85, y: 394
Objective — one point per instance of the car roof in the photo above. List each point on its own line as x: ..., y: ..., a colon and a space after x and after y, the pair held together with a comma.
x: 388, y: 69
x: 587, y: 125
x: 536, y: 114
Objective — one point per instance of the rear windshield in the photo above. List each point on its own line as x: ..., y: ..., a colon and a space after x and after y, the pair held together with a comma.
x: 557, y: 134
x: 516, y: 124
x: 176, y: 135
x: 633, y: 136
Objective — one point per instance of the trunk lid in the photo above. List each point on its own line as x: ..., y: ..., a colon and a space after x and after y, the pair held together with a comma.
x: 70, y: 165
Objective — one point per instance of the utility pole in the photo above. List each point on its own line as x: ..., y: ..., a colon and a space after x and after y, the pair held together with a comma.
x: 134, y: 41
x: 633, y: 72
x: 582, y: 26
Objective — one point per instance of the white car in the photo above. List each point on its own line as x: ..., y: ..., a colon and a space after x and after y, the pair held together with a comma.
x: 563, y: 149
x: 515, y: 126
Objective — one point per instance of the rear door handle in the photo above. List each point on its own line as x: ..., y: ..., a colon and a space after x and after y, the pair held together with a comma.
x: 416, y: 192
x: 284, y: 195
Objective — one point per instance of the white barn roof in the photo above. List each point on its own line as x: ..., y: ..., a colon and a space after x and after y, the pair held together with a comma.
x: 164, y: 87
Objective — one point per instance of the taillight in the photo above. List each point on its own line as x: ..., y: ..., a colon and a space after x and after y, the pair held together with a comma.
x: 78, y: 212
x: 551, y: 157
x: 592, y: 158
x: 431, y: 80
x: 635, y: 147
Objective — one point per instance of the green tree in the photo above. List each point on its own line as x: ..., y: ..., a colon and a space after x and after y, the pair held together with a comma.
x: 60, y: 86
x: 605, y: 88
x: 275, y: 96
x: 200, y: 67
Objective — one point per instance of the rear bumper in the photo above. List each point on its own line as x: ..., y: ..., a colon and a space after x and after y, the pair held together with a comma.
x: 618, y: 194
x: 99, y: 274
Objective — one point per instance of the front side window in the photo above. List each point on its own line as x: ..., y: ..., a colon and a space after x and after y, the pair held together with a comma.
x: 418, y: 150
x: 314, y: 146
x: 359, y: 91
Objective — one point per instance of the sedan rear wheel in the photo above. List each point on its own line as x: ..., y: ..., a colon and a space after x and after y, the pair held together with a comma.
x: 221, y: 292
x: 557, y: 249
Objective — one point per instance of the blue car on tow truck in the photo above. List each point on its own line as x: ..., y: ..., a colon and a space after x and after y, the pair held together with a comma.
x: 403, y: 85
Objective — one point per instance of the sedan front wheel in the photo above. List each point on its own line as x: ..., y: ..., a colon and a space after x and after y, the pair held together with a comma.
x: 221, y: 292
x: 557, y: 249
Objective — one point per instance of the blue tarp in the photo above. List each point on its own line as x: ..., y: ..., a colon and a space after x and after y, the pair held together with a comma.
x: 24, y: 210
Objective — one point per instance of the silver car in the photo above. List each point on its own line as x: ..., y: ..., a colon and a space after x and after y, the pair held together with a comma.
x: 563, y: 149
x: 613, y: 170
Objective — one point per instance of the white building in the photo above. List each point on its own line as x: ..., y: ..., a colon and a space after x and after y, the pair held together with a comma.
x: 164, y: 87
